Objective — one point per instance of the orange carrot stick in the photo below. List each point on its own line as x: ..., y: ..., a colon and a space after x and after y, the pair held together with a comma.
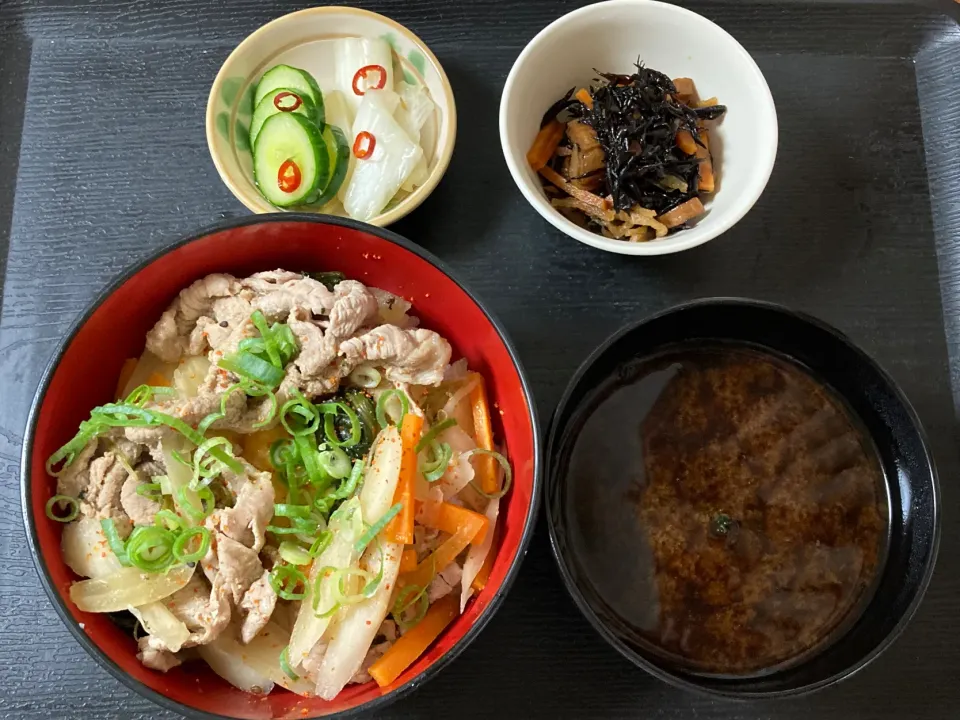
x: 707, y: 180
x: 400, y: 528
x: 411, y: 645
x: 408, y: 560
x: 545, y: 144
x: 446, y: 553
x: 450, y: 518
x: 126, y: 372
x: 686, y: 142
x: 480, y: 581
x: 583, y: 95
x: 486, y: 466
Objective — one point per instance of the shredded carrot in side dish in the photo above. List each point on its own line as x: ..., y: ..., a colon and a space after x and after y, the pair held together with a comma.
x: 480, y: 581
x: 485, y: 465
x: 411, y: 645
x: 545, y: 144
x: 707, y: 182
x: 583, y: 95
x: 126, y: 372
x: 445, y: 554
x: 408, y: 560
x: 400, y: 528
x: 450, y: 518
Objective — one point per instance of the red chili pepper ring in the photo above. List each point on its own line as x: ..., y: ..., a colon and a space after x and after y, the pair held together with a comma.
x: 289, y: 176
x: 364, y: 144
x: 289, y: 106
x: 362, y: 75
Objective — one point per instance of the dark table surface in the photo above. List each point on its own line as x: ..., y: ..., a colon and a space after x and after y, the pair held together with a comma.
x: 103, y: 158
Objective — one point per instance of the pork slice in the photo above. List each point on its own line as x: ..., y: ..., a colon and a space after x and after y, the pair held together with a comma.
x: 354, y: 307
x: 317, y: 350
x: 444, y: 582
x: 168, y: 339
x: 238, y: 567
x: 141, y: 510
x: 414, y: 356
x: 258, y: 605
x: 76, y: 476
x: 101, y: 498
x: 246, y: 522
x: 203, y: 609
x: 277, y: 295
x: 153, y: 655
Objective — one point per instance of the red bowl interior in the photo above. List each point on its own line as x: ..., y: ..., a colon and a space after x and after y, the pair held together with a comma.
x: 89, y: 366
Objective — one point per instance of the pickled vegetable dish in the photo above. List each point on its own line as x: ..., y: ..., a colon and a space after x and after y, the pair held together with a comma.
x: 295, y: 485
x: 351, y: 148
x: 628, y: 158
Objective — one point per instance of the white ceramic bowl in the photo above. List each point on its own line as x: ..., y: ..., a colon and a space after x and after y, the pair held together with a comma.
x: 610, y: 37
x: 304, y: 39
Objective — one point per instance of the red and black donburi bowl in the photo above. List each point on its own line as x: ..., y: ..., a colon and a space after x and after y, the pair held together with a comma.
x: 84, y: 372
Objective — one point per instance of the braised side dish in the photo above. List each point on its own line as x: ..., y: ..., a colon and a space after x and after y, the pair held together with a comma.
x: 295, y: 485
x: 754, y: 513
x: 630, y: 157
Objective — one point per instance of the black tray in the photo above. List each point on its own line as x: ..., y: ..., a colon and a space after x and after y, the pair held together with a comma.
x: 103, y: 102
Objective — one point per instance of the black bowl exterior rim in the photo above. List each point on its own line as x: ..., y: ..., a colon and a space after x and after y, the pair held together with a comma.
x: 571, y: 584
x: 25, y: 465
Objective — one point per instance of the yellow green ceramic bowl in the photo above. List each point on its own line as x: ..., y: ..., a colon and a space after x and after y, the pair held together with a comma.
x: 302, y: 39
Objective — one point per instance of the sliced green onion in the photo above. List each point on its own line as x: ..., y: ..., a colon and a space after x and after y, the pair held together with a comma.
x: 270, y: 345
x: 257, y: 390
x: 277, y: 530
x: 382, y: 401
x: 205, y: 497
x: 72, y: 505
x: 330, y: 409
x: 205, y: 469
x: 114, y: 540
x: 294, y: 554
x: 185, y: 538
x: 335, y: 463
x: 286, y: 341
x: 428, y: 438
x: 150, y: 548
x: 374, y: 530
x: 308, y: 454
x: 245, y: 364
x: 299, y: 407
x: 417, y: 596
x: 150, y: 490
x: 169, y: 520
x: 350, y: 486
x: 255, y: 346
x: 365, y: 376
x: 369, y: 587
x: 281, y: 451
x: 285, y: 579
x: 320, y: 544
x: 507, y: 472
x: 291, y: 511
x: 210, y: 419
x: 285, y: 664
x: 324, y: 503
x: 435, y: 469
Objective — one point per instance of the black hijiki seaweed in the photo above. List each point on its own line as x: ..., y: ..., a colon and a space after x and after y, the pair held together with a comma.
x: 636, y: 118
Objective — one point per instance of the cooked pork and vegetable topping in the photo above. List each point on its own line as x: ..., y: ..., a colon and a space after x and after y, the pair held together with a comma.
x: 296, y: 485
x: 628, y: 158
x: 352, y: 147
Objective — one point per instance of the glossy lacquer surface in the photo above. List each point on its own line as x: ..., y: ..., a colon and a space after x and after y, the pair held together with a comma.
x: 103, y: 160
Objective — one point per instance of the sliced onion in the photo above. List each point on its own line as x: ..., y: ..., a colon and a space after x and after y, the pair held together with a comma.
x: 366, y: 376
x: 226, y: 657
x: 85, y: 549
x: 162, y: 624
x: 477, y: 554
x: 263, y: 655
x: 128, y: 586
